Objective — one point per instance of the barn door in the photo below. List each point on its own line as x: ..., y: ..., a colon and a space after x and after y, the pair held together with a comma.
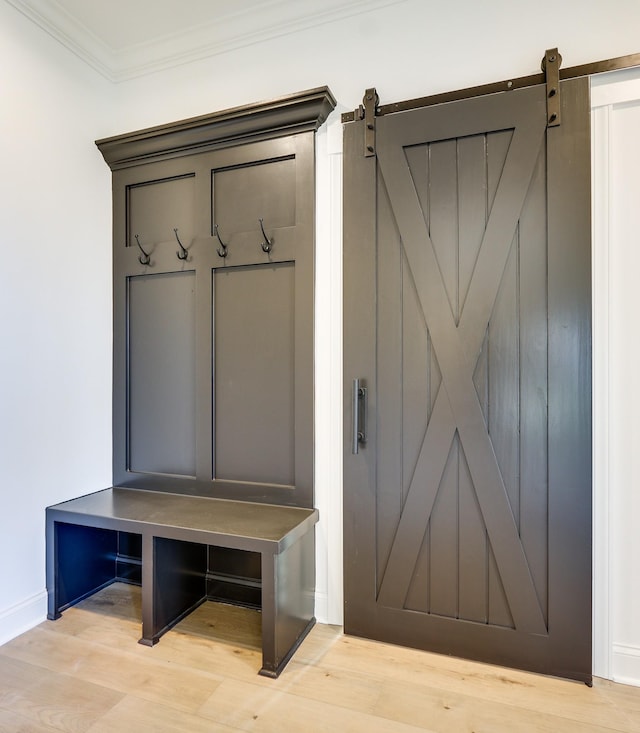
x: 467, y: 322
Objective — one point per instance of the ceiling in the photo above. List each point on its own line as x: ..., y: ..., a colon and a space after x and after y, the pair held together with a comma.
x: 123, y: 39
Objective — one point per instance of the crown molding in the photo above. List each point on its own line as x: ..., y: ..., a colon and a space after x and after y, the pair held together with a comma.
x: 271, y: 19
x: 72, y: 34
x: 294, y: 113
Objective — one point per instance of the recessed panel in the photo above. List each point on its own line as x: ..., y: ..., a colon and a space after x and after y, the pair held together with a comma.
x: 156, y: 208
x: 245, y: 194
x: 254, y: 374
x: 162, y: 401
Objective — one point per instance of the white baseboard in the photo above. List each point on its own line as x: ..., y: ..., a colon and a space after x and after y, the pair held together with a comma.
x: 22, y: 617
x: 322, y: 608
x: 626, y: 664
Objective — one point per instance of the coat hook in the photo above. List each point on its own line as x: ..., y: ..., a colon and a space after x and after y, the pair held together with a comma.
x: 144, y: 258
x: 183, y: 254
x: 221, y: 252
x: 268, y: 243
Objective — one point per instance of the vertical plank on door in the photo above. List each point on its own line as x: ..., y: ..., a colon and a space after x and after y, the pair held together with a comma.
x: 443, y: 221
x: 389, y: 305
x: 419, y: 380
x: 533, y: 385
x: 472, y: 216
x: 497, y: 149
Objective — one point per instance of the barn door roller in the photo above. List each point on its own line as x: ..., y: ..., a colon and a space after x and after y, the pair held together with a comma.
x: 551, y: 68
x: 367, y: 111
x: 550, y: 76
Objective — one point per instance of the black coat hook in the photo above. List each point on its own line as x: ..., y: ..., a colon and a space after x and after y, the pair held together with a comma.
x: 144, y: 258
x: 183, y: 254
x: 221, y: 252
x: 268, y: 243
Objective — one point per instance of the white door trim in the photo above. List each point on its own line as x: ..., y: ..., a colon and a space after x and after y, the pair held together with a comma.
x: 616, y: 647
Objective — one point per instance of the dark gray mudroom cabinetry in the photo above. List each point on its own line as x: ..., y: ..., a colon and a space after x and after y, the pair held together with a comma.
x: 213, y: 296
x: 213, y: 302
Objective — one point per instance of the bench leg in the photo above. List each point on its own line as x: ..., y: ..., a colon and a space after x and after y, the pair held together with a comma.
x: 288, y: 601
x: 52, y: 559
x: 148, y: 627
x: 173, y: 583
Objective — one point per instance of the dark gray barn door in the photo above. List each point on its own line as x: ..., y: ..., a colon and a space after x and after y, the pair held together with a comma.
x: 467, y: 317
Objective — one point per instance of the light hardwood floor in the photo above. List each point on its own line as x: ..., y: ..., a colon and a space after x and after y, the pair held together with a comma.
x: 85, y: 672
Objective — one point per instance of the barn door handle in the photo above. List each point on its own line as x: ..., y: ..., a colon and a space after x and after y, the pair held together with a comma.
x: 359, y: 415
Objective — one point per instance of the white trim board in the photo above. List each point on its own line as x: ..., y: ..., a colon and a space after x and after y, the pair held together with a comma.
x: 22, y: 617
x: 625, y: 664
x: 616, y: 639
x: 600, y: 270
x: 328, y: 371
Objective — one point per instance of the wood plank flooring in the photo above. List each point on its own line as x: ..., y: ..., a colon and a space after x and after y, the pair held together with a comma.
x: 86, y: 673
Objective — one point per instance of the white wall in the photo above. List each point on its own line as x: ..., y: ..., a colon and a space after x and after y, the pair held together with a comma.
x: 412, y: 49
x: 616, y: 161
x: 55, y: 301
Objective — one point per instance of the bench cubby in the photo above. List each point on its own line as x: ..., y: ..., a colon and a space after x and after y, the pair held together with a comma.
x: 177, y: 535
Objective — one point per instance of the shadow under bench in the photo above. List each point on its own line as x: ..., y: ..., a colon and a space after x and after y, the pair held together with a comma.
x: 176, y: 533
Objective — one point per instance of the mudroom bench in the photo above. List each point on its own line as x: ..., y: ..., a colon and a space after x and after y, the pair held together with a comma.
x: 176, y: 532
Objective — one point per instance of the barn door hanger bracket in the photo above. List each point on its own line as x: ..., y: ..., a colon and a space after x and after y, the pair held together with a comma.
x: 367, y: 112
x: 551, y: 67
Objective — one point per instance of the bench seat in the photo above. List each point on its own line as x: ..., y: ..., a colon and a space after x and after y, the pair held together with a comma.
x: 176, y: 531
